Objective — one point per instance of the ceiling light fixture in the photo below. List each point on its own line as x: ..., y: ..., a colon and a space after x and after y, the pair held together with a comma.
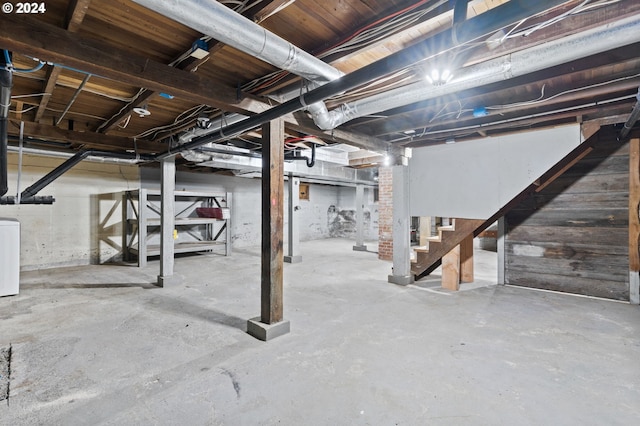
x: 142, y: 111
x: 438, y: 78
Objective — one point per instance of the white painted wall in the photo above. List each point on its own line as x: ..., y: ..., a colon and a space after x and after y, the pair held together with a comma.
x: 84, y: 225
x: 474, y: 179
x: 77, y: 229
x: 246, y: 210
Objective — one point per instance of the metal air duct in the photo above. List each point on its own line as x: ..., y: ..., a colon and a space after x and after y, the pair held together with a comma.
x: 227, y: 26
x: 482, y: 25
x: 218, y: 21
x: 597, y: 40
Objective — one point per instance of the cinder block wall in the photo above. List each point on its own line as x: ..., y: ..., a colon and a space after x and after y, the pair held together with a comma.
x: 385, y: 213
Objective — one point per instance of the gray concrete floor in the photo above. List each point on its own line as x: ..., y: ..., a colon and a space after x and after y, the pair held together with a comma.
x: 100, y: 345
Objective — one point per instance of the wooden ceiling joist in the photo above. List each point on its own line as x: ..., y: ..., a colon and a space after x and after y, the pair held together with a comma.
x: 75, y: 16
x: 86, y: 139
x: 52, y: 44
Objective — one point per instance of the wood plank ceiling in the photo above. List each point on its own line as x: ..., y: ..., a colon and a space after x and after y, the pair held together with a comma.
x: 106, y: 57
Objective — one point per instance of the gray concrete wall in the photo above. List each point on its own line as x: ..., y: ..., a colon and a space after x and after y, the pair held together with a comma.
x: 318, y: 216
x: 83, y: 226
x: 474, y: 179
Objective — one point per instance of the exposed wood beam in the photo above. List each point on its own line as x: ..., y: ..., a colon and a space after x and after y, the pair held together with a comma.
x: 304, y: 124
x: 75, y: 15
x: 29, y: 36
x: 87, y: 139
x: 267, y: 8
x: 189, y: 64
x: 541, y: 121
x: 272, y: 221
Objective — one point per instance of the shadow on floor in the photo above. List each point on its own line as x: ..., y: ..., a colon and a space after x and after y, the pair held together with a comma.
x: 55, y: 286
x: 183, y: 307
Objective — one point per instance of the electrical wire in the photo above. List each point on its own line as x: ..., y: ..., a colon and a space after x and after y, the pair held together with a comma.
x: 31, y: 95
x: 10, y: 66
x: 24, y: 110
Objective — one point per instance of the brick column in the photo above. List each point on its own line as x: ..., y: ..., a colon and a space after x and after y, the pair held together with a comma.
x: 385, y: 213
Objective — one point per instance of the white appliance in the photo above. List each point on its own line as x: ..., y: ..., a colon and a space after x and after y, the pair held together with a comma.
x: 9, y: 256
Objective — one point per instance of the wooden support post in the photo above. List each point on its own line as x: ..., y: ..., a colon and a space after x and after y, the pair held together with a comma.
x: 425, y: 230
x: 502, y: 230
x: 466, y: 260
x: 270, y: 324
x: 634, y: 221
x: 451, y: 269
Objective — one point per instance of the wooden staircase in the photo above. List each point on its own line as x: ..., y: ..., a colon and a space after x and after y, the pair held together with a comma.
x: 448, y: 238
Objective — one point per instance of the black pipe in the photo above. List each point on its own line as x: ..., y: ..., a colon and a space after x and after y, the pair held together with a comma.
x: 6, y: 82
x: 482, y: 25
x: 44, y: 199
x: 69, y: 163
x: 631, y: 121
x: 310, y: 161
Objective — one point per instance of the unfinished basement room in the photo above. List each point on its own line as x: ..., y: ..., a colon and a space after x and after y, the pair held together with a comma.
x: 304, y: 212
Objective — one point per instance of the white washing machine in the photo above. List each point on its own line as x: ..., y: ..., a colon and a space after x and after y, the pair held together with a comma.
x: 9, y: 256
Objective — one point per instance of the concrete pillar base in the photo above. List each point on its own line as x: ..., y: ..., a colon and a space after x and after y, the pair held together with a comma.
x: 360, y: 248
x: 293, y: 259
x: 401, y: 279
x: 634, y: 288
x: 168, y: 281
x: 265, y: 332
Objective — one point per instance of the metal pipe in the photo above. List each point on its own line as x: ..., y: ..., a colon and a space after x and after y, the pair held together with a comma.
x: 601, y: 39
x: 73, y: 98
x: 65, y: 155
x: 481, y: 25
x: 6, y: 83
x: 631, y: 121
x: 45, y: 199
x: 68, y: 164
x: 310, y: 161
x: 218, y: 21
x: 227, y: 26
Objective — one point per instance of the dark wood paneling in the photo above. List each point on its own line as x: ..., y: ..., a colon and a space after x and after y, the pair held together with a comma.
x: 579, y: 217
x: 568, y: 284
x: 573, y: 235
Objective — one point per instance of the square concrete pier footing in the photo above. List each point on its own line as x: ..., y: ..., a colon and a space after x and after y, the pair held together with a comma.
x: 293, y: 259
x: 401, y: 279
x: 168, y: 281
x: 360, y: 248
x: 266, y: 332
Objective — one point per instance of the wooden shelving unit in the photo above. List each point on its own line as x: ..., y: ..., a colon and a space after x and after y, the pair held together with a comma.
x: 141, y: 219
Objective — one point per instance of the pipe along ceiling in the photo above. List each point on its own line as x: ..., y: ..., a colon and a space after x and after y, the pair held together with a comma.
x: 214, y: 20
x: 223, y: 24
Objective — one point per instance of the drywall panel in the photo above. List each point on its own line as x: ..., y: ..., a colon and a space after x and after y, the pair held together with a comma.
x: 474, y: 179
x: 83, y: 226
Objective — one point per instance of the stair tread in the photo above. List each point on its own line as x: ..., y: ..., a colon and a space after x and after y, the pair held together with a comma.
x: 446, y: 228
x: 435, y: 239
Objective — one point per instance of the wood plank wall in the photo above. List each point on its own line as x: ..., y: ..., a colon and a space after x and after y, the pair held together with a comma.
x: 573, y: 235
